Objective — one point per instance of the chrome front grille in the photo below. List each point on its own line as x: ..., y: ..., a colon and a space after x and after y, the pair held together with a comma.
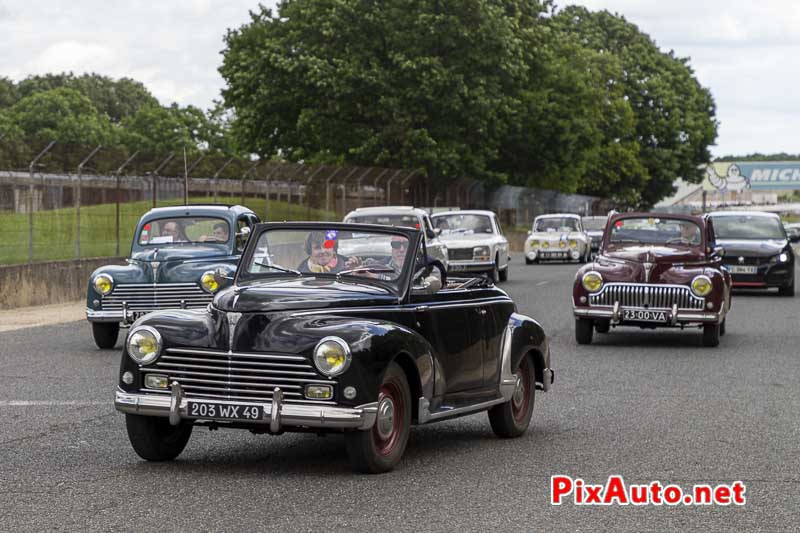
x: 237, y: 376
x: 151, y: 297
x: 459, y: 254
x: 646, y: 296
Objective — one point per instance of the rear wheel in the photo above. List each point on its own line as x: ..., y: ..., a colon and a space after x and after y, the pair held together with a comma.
x: 711, y: 334
x: 155, y: 439
x: 722, y: 327
x: 602, y: 325
x: 381, y: 448
x: 494, y: 273
x: 504, y: 273
x: 105, y: 334
x: 511, y: 419
x: 583, y: 330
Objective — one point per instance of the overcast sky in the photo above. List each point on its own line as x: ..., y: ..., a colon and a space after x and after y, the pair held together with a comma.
x: 746, y: 52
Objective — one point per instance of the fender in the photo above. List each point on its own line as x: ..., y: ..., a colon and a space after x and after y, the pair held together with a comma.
x: 524, y: 335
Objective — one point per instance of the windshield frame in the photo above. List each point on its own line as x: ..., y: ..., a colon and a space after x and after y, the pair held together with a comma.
x: 457, y: 231
x: 607, y: 242
x: 538, y: 220
x: 137, y: 245
x: 776, y: 220
x: 400, y: 286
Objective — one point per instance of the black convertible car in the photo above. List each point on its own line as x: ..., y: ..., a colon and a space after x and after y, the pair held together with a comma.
x: 333, y: 328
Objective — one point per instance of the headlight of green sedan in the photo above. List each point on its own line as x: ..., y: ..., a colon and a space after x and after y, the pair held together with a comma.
x: 592, y: 281
x: 332, y: 356
x: 701, y: 286
x: 209, y: 282
x: 103, y: 284
x: 144, y: 345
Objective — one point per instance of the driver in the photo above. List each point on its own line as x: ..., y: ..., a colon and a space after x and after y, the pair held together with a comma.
x: 690, y: 233
x: 431, y: 282
x: 174, y: 229
x: 323, y: 257
x: 219, y: 234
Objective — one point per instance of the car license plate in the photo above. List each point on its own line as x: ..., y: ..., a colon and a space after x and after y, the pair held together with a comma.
x: 457, y: 267
x: 743, y: 269
x: 222, y: 411
x: 643, y: 315
x: 136, y: 315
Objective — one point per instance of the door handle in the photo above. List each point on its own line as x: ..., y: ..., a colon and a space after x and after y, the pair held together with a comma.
x: 421, y: 308
x: 481, y: 311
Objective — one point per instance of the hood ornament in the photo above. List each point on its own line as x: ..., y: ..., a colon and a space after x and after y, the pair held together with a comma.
x: 233, y: 320
x: 741, y: 260
x: 648, y: 268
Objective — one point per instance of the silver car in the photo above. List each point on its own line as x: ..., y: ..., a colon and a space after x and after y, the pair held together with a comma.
x: 403, y: 216
x: 557, y: 237
x: 475, y: 242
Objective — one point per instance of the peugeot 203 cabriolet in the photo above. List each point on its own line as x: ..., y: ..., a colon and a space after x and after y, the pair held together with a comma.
x: 174, y: 253
x: 311, y: 338
x: 654, y: 270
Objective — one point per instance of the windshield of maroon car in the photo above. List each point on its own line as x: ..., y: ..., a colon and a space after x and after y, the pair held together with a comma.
x: 654, y: 230
x: 184, y: 230
x: 748, y: 227
x: 556, y: 224
x: 462, y: 224
x: 319, y: 252
x: 404, y: 221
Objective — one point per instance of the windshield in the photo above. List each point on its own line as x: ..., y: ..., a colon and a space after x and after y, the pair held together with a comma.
x: 379, y: 256
x: 654, y: 230
x: 594, y: 223
x: 466, y: 224
x: 184, y: 230
x: 405, y: 221
x: 748, y: 227
x: 556, y: 224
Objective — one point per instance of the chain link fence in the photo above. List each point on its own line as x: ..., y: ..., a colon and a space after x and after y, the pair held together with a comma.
x: 67, y: 201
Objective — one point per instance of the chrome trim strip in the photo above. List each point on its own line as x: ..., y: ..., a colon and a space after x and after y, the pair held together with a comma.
x: 175, y: 367
x: 682, y: 316
x: 425, y: 416
x: 410, y: 307
x: 291, y: 415
x: 225, y: 354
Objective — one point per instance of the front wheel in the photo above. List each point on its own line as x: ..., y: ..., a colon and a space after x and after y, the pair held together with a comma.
x: 711, y: 335
x: 504, y: 273
x: 787, y: 291
x: 494, y: 273
x: 379, y: 449
x: 602, y: 326
x: 105, y: 334
x: 528, y: 261
x: 155, y: 439
x: 511, y: 419
x: 583, y: 331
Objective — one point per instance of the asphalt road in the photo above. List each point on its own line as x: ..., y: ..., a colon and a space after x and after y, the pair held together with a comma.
x: 648, y: 405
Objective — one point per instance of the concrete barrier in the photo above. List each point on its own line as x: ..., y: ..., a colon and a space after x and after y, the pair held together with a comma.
x: 48, y: 283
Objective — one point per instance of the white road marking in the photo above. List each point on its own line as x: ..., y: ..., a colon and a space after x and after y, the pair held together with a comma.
x: 52, y: 403
x: 542, y: 283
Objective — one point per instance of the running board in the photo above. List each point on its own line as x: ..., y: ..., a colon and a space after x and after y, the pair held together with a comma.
x: 425, y: 415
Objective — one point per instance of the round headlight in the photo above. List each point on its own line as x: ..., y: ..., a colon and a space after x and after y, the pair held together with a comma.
x: 332, y: 356
x: 562, y: 244
x: 592, y: 281
x: 209, y: 282
x: 545, y: 244
x: 103, y: 284
x: 144, y: 344
x: 573, y: 243
x: 701, y: 285
x: 783, y: 257
x: 534, y: 244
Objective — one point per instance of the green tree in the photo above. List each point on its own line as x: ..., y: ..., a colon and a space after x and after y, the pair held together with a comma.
x: 426, y: 84
x: 674, y: 115
x: 157, y: 129
x: 8, y: 93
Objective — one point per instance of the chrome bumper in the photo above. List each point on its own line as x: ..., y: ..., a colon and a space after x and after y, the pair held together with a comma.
x: 469, y: 266
x: 277, y: 414
x: 679, y: 316
x: 104, y: 316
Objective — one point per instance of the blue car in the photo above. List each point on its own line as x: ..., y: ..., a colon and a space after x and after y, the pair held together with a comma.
x: 180, y: 257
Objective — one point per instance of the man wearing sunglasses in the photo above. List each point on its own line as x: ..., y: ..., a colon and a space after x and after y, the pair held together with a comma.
x: 431, y: 281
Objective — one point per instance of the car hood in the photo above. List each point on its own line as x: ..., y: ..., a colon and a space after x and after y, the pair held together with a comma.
x: 300, y: 294
x: 466, y: 240
x: 655, y: 254
x: 179, y: 253
x: 750, y: 248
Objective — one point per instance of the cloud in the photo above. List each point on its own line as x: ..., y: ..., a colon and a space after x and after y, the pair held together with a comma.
x: 73, y: 56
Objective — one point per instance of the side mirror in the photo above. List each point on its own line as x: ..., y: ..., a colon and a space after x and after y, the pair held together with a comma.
x: 437, y: 231
x: 431, y: 234
x: 220, y: 275
x: 244, y: 233
x: 794, y: 237
x: 718, y: 252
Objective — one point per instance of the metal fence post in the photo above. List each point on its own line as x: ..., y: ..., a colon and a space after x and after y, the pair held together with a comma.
x: 344, y: 189
x: 187, y: 171
x: 308, y: 184
x: 246, y: 174
x: 217, y: 173
x: 31, y: 190
x: 117, y: 173
x: 389, y: 187
x: 155, y: 177
x: 375, y: 185
x: 78, y: 202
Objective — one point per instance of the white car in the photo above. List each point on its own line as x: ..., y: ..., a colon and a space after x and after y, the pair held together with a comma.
x: 557, y: 237
x: 475, y: 242
x: 404, y: 216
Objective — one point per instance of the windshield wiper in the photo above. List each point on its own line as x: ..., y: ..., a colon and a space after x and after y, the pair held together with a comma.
x: 282, y: 269
x: 370, y: 269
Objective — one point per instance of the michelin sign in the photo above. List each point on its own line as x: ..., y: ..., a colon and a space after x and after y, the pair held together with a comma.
x: 754, y: 175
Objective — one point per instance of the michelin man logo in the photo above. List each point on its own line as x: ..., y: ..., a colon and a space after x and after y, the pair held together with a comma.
x: 731, y: 180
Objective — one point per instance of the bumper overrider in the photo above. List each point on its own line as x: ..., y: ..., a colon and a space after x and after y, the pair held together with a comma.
x: 277, y: 414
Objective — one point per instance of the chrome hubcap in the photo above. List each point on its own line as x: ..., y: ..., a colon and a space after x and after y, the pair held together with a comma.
x: 519, y: 391
x: 385, y: 421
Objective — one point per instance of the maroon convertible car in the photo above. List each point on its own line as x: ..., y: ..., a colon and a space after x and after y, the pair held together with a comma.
x: 654, y: 270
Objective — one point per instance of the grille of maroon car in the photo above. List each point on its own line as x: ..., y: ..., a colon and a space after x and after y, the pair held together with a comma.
x: 459, y: 254
x: 646, y: 296
x: 204, y: 373
x: 151, y: 297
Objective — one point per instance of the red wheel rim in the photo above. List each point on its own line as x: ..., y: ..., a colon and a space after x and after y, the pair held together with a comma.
x: 522, y: 392
x: 389, y: 423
